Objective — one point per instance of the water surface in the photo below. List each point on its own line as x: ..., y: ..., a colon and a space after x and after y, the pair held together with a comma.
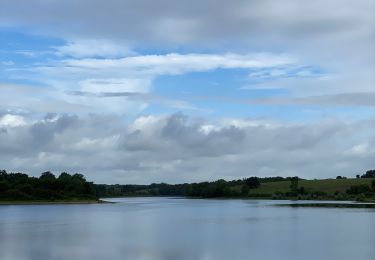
x: 169, y: 228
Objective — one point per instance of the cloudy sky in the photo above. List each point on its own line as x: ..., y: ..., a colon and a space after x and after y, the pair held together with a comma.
x: 170, y: 91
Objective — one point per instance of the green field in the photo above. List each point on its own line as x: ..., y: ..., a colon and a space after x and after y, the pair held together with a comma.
x: 329, y: 186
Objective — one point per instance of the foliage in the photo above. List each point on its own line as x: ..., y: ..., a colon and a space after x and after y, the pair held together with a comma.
x: 294, y: 186
x: 216, y: 189
x: 245, y: 190
x: 252, y: 182
x: 19, y: 186
x: 358, y: 189
x: 369, y: 174
x: 270, y: 187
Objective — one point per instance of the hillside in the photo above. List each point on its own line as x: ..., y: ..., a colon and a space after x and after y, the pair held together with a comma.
x: 329, y: 186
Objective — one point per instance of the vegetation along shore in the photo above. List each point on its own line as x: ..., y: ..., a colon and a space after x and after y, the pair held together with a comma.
x: 19, y: 188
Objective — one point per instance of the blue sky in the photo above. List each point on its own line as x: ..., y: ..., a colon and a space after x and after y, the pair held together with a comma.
x: 214, y: 92
x: 220, y: 71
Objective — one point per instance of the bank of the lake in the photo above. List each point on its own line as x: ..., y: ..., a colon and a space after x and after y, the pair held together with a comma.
x: 19, y: 188
x: 50, y: 202
x: 340, y: 189
x: 344, y: 204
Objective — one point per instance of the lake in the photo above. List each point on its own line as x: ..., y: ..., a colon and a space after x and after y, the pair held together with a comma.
x: 177, y: 228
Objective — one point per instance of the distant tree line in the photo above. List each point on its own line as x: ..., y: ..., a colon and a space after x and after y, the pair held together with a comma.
x: 214, y: 189
x: 369, y: 174
x: 19, y: 186
x: 241, y: 188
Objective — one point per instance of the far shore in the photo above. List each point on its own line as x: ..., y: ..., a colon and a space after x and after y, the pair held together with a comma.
x: 327, y: 204
x: 323, y: 204
x: 50, y: 202
x: 330, y: 205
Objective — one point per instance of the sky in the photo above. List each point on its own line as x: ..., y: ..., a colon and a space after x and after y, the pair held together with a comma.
x: 169, y: 91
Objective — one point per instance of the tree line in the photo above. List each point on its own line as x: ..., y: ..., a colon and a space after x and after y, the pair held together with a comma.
x: 242, y: 188
x: 20, y: 186
x: 214, y: 189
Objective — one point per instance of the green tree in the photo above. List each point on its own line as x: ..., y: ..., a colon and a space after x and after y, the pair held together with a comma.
x: 294, y: 186
x: 252, y: 182
x: 64, y: 177
x: 4, y: 186
x: 245, y: 190
x: 47, y: 176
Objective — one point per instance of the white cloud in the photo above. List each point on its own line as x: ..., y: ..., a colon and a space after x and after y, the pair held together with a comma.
x: 335, y: 36
x: 122, y: 98
x: 136, y: 74
x: 178, y: 148
x: 357, y: 99
x: 174, y: 63
x: 26, y: 99
x: 139, y: 85
x: 10, y: 120
x: 360, y: 149
x: 83, y: 48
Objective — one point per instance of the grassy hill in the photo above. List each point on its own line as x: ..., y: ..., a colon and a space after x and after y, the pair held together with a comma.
x: 329, y: 186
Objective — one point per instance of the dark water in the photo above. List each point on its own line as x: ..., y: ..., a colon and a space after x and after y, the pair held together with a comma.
x: 162, y: 228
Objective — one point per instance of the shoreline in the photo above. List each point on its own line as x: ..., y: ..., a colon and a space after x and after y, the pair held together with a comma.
x: 306, y: 204
x: 352, y: 205
x: 323, y: 204
x: 50, y: 202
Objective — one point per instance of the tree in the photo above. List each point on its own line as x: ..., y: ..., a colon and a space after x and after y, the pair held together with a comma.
x: 18, y: 186
x: 294, y: 186
x: 302, y: 190
x: 245, y: 190
x: 219, y: 188
x: 4, y: 186
x: 369, y: 174
x: 252, y: 182
x: 79, y: 177
x: 47, y: 176
x: 65, y: 177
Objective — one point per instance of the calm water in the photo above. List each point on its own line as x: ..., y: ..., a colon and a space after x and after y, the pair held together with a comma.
x: 162, y: 228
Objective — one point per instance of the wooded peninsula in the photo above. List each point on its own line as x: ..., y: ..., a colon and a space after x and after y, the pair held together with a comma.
x: 66, y: 188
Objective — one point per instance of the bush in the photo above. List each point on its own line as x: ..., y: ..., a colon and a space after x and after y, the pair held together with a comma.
x: 4, y: 186
x: 14, y: 194
x: 358, y: 189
